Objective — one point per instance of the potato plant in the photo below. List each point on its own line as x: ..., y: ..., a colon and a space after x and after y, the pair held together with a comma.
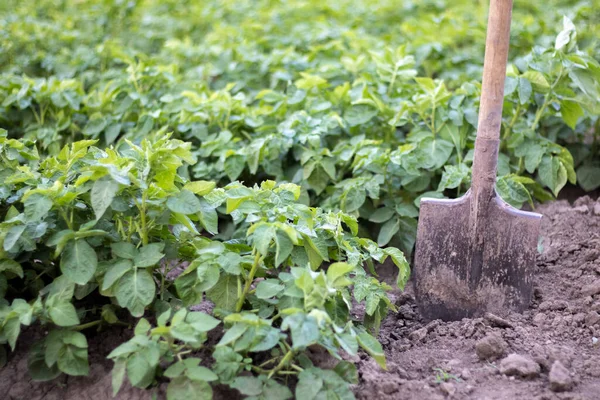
x: 263, y: 157
x: 365, y: 122
x: 90, y: 238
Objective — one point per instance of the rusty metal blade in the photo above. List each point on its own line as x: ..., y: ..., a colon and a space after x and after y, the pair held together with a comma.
x: 448, y: 284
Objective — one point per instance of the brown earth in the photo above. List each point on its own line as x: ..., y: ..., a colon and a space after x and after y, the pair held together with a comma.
x: 437, y: 360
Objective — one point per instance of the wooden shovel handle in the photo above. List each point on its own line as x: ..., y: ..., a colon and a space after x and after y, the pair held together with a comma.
x: 492, y: 96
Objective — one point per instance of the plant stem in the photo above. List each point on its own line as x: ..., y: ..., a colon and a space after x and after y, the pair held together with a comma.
x: 512, y: 123
x: 162, y: 283
x: 258, y: 369
x: 392, y: 82
x: 267, y: 362
x: 249, y: 280
x: 288, y: 356
x: 433, y: 119
x: 87, y: 325
x: 143, y: 228
x: 297, y: 368
x: 540, y: 111
x: 66, y: 218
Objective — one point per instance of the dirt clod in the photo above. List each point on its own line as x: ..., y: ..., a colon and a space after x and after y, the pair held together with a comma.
x: 592, y: 318
x: 466, y: 374
x: 495, y: 320
x: 491, y: 347
x: 418, y: 335
x: 560, y: 378
x: 518, y: 365
x: 448, y: 388
x: 591, y: 289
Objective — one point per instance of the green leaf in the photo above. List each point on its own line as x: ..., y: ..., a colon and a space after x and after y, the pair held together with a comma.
x: 309, y: 384
x: 118, y: 375
x: 234, y: 165
x: 135, y: 290
x: 228, y: 363
x: 200, y: 188
x: 74, y: 361
x: 185, y: 202
x: 175, y: 370
x: 200, y: 373
x: 11, y: 266
x: 68, y: 350
x: 274, y: 391
x: 13, y: 236
x: 64, y: 314
x: 533, y: 156
x: 248, y: 385
x: 407, y: 210
x: 149, y: 255
x: 139, y: 370
x: 512, y: 191
x: 435, y: 152
x: 524, y: 89
x: 202, y: 322
x: 571, y: 111
x: 116, y: 271
x: 353, y: 199
x: 283, y: 246
x: 588, y: 177
x: 347, y: 371
x: 304, y: 329
x: 191, y: 286
x: 567, y: 34
x: 387, y: 231
x: 454, y: 176
x: 11, y: 330
x: 338, y: 270
x: 552, y: 173
x: 373, y: 347
x: 537, y: 79
x: 400, y: 261
x: 94, y: 126
x: 224, y: 294
x: 318, y: 179
x: 208, y: 217
x: 382, y: 214
x: 36, y: 364
x: 124, y: 250
x: 37, y: 207
x: 78, y: 262
x: 352, y: 223
x: 359, y: 114
x: 142, y: 328
x: 102, y: 194
x: 268, y: 288
x: 233, y: 333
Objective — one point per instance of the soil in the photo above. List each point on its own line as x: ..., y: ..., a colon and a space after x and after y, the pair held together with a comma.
x: 553, y: 346
x: 438, y: 360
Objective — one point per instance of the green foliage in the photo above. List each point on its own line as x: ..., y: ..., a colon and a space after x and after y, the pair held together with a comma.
x: 280, y: 283
x: 279, y: 171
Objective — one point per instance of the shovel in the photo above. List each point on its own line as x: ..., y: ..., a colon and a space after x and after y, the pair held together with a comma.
x: 476, y: 254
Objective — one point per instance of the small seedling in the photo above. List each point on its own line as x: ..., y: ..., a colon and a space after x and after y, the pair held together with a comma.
x: 444, y: 376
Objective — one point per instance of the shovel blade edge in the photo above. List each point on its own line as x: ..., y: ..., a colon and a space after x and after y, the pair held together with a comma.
x: 447, y: 284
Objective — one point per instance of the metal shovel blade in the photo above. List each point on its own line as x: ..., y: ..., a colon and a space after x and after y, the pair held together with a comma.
x: 454, y: 281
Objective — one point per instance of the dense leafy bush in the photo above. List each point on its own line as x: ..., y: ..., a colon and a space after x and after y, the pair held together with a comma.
x: 143, y: 143
x: 94, y: 232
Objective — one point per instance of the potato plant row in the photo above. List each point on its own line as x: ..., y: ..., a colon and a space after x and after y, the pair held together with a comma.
x: 262, y: 157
